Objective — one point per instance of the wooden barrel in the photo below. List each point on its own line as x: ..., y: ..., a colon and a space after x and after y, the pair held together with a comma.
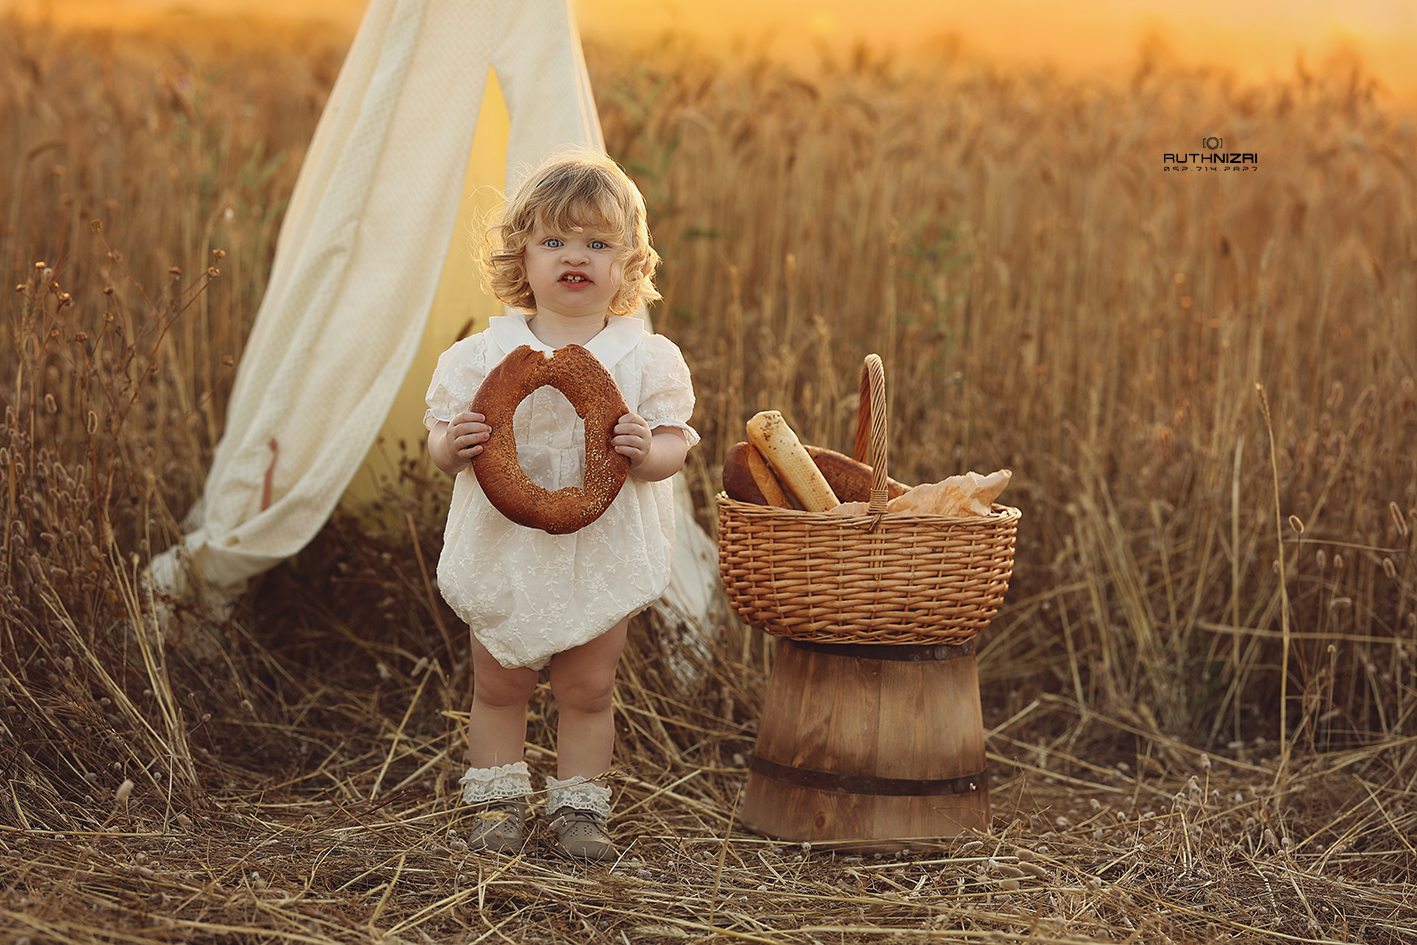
x: 869, y: 747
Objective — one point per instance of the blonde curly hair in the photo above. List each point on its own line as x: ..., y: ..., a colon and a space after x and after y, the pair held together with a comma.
x: 568, y: 193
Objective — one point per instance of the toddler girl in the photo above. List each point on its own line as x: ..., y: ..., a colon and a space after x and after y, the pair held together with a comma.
x: 572, y: 254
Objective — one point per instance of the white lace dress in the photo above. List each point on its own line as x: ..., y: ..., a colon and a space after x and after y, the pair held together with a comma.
x: 526, y: 594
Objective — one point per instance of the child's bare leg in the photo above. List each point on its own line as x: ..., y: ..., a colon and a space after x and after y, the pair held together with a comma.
x: 496, y: 733
x: 583, y: 681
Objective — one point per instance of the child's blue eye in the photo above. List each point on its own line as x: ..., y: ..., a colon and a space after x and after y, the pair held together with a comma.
x: 599, y: 244
x: 552, y: 242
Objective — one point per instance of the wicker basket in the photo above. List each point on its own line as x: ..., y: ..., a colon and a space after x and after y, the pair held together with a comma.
x: 903, y: 579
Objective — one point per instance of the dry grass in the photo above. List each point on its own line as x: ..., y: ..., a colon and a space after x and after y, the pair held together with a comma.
x: 1200, y: 693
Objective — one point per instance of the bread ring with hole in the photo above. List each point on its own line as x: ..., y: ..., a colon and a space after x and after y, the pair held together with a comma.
x: 579, y: 375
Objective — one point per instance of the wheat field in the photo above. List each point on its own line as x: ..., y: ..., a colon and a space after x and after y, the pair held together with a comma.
x: 1199, y: 695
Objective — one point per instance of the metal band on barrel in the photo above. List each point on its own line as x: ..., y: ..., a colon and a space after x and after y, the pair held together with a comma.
x: 888, y: 651
x: 865, y: 784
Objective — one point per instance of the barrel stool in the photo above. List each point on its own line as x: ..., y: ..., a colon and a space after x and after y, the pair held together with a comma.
x: 869, y: 746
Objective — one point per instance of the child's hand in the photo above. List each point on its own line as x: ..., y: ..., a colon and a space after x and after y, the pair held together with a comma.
x: 653, y: 454
x: 633, y: 439
x: 465, y: 436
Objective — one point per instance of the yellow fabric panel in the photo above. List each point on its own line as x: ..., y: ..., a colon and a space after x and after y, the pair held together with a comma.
x: 460, y: 307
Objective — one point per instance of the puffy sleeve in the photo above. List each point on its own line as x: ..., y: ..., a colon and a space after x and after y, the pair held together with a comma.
x: 457, y: 377
x: 666, y: 391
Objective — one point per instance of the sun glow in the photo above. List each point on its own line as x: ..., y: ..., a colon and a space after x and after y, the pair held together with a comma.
x: 1253, y: 39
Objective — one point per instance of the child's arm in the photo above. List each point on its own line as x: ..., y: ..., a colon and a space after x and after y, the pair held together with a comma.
x: 453, y: 445
x: 653, y: 454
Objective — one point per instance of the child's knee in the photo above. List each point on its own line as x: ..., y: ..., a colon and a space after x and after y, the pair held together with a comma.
x: 583, y: 693
x: 503, y: 690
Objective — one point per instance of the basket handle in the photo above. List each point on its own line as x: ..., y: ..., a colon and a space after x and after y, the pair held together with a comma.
x: 871, y: 431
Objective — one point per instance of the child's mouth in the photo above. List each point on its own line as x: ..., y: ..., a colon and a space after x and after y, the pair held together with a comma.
x: 574, y: 279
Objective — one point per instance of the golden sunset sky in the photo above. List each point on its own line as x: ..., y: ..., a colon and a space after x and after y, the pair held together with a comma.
x: 1254, y: 38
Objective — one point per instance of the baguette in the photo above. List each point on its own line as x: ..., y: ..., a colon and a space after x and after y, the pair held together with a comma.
x: 779, y: 445
x: 747, y: 478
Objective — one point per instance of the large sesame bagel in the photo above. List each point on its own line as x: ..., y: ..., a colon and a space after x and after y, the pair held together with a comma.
x: 579, y: 375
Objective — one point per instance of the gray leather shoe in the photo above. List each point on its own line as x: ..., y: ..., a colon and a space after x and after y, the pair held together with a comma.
x: 500, y: 827
x: 582, y: 834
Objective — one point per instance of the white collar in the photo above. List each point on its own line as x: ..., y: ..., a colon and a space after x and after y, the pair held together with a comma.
x: 620, y: 334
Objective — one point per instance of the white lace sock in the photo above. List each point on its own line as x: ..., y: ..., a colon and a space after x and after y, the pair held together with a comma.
x: 578, y: 793
x: 480, y: 785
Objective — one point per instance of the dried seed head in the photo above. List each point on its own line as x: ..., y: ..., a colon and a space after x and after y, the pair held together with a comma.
x: 220, y: 253
x: 95, y: 225
x: 1264, y: 402
x: 49, y: 403
x: 213, y: 272
x: 1337, y: 562
x: 1297, y: 524
x: 175, y: 273
x: 1389, y: 568
x: 1205, y: 762
x: 1341, y: 602
x: 1321, y: 559
x: 1335, y: 396
x: 125, y: 789
x: 1398, y: 519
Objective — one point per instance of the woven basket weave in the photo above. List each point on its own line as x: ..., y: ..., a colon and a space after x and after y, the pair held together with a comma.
x: 903, y: 579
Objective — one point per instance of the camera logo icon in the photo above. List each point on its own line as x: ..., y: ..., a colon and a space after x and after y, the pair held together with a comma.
x: 1212, y: 142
